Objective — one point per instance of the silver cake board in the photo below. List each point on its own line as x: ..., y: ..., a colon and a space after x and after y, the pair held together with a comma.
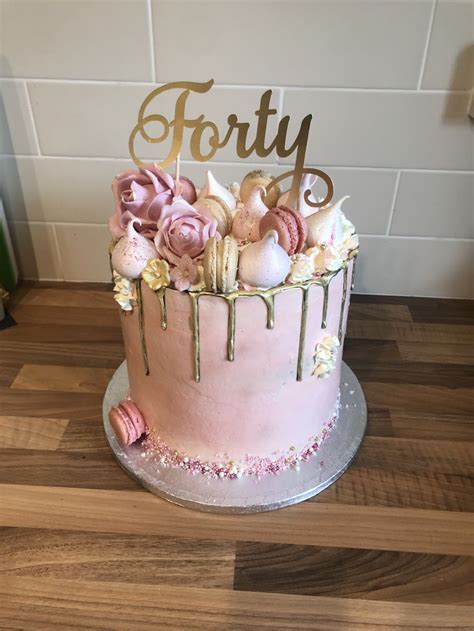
x: 246, y: 494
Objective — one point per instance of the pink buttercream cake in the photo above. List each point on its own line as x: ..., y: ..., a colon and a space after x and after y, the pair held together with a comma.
x: 233, y: 346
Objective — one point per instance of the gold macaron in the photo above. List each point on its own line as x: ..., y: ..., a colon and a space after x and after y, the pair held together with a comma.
x: 227, y: 262
x: 220, y: 264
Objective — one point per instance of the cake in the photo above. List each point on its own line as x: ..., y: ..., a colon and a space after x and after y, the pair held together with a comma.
x: 233, y: 305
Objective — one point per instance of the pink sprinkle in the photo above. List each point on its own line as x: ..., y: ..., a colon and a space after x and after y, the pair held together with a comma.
x: 156, y: 449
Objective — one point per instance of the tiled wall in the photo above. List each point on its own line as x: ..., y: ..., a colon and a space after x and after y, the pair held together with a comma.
x: 387, y: 82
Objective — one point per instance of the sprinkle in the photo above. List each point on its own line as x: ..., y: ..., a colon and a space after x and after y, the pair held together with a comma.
x: 253, y: 466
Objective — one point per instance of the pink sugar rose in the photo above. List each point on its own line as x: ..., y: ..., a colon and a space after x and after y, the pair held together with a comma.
x: 183, y: 230
x: 143, y: 194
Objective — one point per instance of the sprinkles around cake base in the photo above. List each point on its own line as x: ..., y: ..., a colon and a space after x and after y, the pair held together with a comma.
x: 156, y: 450
x: 248, y: 494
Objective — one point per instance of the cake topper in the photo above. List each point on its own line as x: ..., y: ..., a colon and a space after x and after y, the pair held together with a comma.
x: 244, y: 146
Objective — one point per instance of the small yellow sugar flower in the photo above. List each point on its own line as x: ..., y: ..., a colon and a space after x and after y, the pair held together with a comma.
x: 156, y: 274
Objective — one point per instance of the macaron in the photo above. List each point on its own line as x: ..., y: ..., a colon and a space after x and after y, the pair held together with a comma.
x: 210, y: 265
x: 227, y: 260
x: 220, y: 264
x: 127, y: 422
x: 214, y: 207
x: 289, y: 225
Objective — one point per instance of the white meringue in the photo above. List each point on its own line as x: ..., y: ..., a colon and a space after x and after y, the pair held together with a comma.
x: 247, y: 220
x: 325, y: 226
x: 307, y: 183
x: 213, y: 188
x: 132, y: 253
x: 264, y: 264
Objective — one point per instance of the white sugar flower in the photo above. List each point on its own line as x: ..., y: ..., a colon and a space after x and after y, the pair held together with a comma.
x: 325, y: 356
x: 125, y: 292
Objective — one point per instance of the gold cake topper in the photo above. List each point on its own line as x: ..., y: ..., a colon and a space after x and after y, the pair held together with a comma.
x: 199, y: 125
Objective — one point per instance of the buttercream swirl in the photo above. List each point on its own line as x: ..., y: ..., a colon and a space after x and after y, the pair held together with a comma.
x: 183, y: 230
x: 142, y: 195
x: 302, y: 268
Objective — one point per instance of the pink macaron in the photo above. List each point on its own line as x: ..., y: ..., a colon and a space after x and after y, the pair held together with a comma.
x: 127, y: 422
x: 290, y: 226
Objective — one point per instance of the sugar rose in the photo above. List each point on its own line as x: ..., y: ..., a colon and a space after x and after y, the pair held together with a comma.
x: 183, y: 230
x: 143, y: 194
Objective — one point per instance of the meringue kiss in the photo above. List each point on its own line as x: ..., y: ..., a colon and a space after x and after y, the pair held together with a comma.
x: 246, y: 221
x: 132, y: 252
x: 264, y: 264
x: 259, y: 178
x: 307, y: 183
x: 325, y: 226
x: 213, y: 188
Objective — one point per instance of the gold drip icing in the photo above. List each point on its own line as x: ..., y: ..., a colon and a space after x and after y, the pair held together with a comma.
x: 268, y: 296
x: 141, y: 325
x: 304, y: 317
x: 111, y: 249
x: 353, y: 270
x: 160, y: 294
x: 269, y: 300
x: 343, y: 300
x: 194, y: 297
x: 231, y: 330
x: 324, y: 316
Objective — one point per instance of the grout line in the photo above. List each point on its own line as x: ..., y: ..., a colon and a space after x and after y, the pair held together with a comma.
x: 214, y: 163
x: 414, y: 237
x: 152, y: 39
x: 427, y: 45
x: 281, y: 96
x: 394, y: 199
x: 33, y: 122
x: 58, y: 251
x: 240, y: 86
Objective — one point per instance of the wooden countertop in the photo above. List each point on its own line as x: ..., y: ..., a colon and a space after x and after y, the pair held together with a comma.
x: 389, y: 546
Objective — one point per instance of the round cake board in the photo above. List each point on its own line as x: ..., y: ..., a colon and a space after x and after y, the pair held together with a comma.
x: 246, y: 494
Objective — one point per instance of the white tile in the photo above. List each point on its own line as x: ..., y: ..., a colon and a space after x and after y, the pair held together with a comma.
x: 450, y: 60
x: 415, y: 267
x: 435, y: 205
x: 85, y: 119
x: 35, y: 250
x: 384, y: 129
x: 76, y: 40
x: 83, y: 251
x: 59, y: 189
x: 343, y: 43
x: 371, y: 196
x: 96, y: 119
x: 16, y: 125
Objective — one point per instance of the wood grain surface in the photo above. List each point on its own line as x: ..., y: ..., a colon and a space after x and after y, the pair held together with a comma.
x: 389, y: 546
